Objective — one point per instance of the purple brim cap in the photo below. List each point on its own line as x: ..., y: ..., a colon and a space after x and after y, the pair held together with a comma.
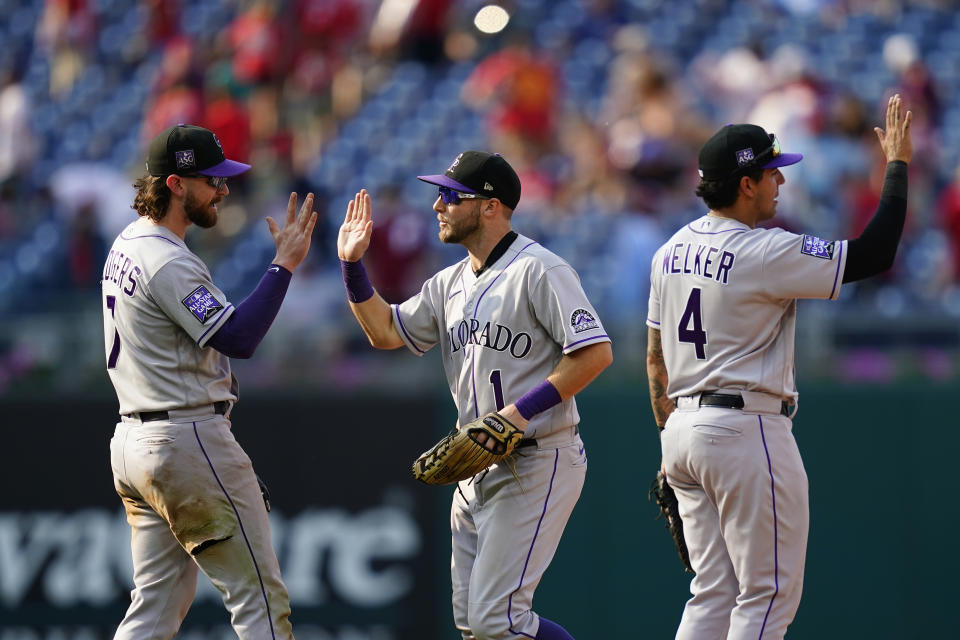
x: 446, y: 181
x: 225, y: 169
x: 784, y: 160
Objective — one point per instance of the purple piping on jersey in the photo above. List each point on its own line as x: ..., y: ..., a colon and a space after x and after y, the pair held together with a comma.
x: 263, y: 590
x: 546, y: 501
x: 498, y: 277
x: 396, y: 312
x: 463, y: 285
x: 653, y: 322
x: 713, y: 233
x: 214, y: 325
x: 837, y: 275
x: 153, y: 235
x: 776, y: 560
x: 573, y: 344
x: 473, y: 381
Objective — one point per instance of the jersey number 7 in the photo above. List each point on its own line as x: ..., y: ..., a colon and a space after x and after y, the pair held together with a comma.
x: 115, y: 350
x: 691, y: 315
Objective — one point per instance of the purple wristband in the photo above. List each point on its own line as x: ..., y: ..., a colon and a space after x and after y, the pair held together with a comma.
x: 355, y: 278
x: 537, y: 400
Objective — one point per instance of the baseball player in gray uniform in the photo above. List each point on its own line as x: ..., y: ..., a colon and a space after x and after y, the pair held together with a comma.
x: 720, y: 362
x: 190, y: 493
x: 517, y: 335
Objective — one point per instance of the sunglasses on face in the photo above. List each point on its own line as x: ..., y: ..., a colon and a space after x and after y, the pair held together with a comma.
x: 449, y: 196
x: 214, y: 181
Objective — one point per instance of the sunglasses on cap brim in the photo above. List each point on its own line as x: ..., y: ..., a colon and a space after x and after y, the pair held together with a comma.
x: 216, y: 182
x: 771, y: 152
x: 451, y: 196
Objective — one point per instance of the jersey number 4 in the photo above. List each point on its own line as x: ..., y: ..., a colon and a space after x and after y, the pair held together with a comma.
x: 692, y: 316
x: 115, y: 350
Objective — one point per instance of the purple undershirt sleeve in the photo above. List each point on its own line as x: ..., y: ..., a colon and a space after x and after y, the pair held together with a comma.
x: 537, y: 400
x: 242, y: 332
x: 355, y: 280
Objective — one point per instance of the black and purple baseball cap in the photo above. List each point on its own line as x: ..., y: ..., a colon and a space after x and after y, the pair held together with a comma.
x: 186, y: 149
x: 737, y: 148
x: 482, y: 173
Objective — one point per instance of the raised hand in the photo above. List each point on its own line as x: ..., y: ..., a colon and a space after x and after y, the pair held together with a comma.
x: 354, y: 236
x: 895, y: 140
x: 293, y: 240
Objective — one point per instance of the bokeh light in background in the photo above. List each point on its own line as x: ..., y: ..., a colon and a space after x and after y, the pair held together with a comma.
x: 601, y: 104
x: 491, y: 19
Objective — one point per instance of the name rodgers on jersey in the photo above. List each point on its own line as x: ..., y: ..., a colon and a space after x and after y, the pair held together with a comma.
x: 118, y: 267
x: 503, y: 338
x: 688, y: 259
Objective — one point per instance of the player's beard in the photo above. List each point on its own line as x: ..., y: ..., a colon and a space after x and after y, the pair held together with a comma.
x: 202, y: 214
x: 456, y: 231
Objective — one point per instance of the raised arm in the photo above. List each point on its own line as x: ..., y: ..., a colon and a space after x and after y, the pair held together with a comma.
x: 245, y: 329
x: 371, y: 311
x: 874, y: 250
x: 663, y: 406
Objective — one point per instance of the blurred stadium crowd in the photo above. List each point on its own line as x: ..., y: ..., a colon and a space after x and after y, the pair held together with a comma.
x: 601, y: 105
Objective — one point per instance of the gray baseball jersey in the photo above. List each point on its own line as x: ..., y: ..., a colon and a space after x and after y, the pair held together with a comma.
x: 724, y: 297
x: 501, y: 334
x: 160, y: 309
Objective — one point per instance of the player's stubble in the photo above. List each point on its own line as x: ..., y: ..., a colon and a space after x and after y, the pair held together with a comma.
x: 460, y: 228
x: 202, y: 214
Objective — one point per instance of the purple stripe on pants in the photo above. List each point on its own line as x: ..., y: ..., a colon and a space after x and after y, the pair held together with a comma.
x: 776, y: 561
x: 556, y: 457
x: 263, y: 589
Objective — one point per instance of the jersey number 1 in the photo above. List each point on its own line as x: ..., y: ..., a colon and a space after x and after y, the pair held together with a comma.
x: 691, y: 315
x: 497, y: 388
x: 115, y: 350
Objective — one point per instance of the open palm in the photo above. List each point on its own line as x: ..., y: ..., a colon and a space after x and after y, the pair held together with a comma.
x: 354, y: 236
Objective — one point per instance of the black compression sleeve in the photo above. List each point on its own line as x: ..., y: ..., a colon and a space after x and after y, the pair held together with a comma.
x: 873, y: 252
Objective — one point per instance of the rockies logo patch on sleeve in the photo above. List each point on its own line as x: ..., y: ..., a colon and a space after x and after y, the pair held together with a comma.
x: 582, y: 320
x: 202, y: 304
x: 817, y: 247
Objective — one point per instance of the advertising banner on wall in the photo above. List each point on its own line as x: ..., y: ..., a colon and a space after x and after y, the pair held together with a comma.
x: 350, y: 525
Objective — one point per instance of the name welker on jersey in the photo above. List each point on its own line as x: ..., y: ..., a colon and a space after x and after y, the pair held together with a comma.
x: 118, y: 267
x: 503, y: 338
x: 697, y: 260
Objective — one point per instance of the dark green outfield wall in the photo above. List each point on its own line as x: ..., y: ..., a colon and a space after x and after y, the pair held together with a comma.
x: 365, y: 549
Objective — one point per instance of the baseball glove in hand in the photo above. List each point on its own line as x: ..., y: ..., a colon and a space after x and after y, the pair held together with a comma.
x: 666, y: 499
x: 467, y: 451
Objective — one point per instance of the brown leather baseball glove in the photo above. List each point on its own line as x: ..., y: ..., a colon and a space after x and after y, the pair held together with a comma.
x: 466, y: 452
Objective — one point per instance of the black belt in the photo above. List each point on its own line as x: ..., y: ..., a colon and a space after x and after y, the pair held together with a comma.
x: 729, y: 401
x: 532, y: 442
x: 219, y: 408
